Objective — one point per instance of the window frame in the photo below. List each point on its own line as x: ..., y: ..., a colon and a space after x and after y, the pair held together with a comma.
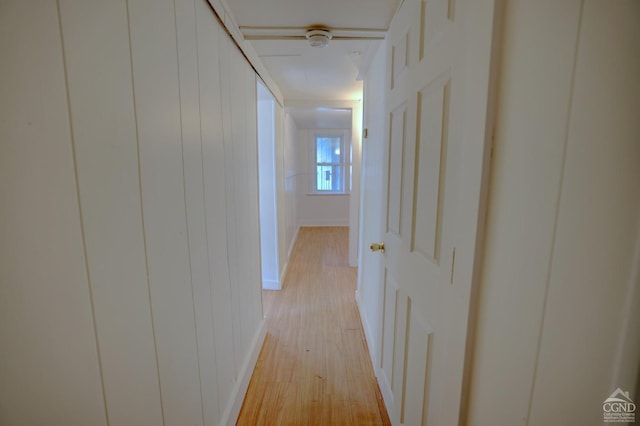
x: 343, y: 164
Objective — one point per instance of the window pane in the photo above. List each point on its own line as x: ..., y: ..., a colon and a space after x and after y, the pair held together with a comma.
x: 329, y: 178
x: 328, y: 150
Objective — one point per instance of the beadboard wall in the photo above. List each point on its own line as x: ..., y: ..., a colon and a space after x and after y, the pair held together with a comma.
x: 129, y: 247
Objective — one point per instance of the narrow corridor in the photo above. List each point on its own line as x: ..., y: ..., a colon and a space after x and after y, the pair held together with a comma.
x: 314, y: 368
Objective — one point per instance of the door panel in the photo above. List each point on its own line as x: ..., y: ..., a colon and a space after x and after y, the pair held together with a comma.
x: 433, y: 104
x: 419, y: 364
x: 400, y: 342
x: 397, y: 124
x: 433, y: 78
x: 399, y: 58
x: 435, y: 17
x: 388, y: 333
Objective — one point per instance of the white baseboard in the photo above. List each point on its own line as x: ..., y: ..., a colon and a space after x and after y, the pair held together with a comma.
x: 231, y: 412
x: 385, y: 387
x: 271, y: 285
x: 330, y: 222
x: 283, y: 273
x: 293, y: 243
x: 385, y: 390
x: 367, y: 331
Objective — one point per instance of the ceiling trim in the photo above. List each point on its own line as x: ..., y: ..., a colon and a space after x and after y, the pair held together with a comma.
x: 222, y: 12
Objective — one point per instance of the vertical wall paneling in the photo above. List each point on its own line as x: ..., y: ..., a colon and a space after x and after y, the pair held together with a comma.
x: 238, y: 143
x: 228, y: 93
x: 215, y: 183
x: 130, y: 267
x: 155, y: 73
x: 96, y: 46
x: 597, y: 222
x: 526, y: 171
x: 239, y: 163
x: 49, y: 370
x: 241, y: 150
x: 192, y: 151
x: 563, y: 219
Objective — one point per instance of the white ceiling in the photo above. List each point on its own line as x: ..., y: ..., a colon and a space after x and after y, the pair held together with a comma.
x: 303, y: 72
x: 305, y: 13
x: 321, y: 118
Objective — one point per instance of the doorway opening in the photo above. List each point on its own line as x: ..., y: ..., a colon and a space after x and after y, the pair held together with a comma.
x: 327, y: 161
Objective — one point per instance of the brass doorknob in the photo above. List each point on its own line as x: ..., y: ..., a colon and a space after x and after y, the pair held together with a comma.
x: 377, y: 247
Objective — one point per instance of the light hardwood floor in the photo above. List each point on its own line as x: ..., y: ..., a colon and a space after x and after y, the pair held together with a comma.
x: 314, y: 368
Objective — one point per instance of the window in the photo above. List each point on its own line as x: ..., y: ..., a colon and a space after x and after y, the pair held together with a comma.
x: 329, y: 163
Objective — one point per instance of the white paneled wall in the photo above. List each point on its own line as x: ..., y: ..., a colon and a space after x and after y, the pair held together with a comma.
x: 104, y: 130
x: 200, y: 254
x: 556, y: 302
x: 129, y: 247
x: 49, y: 365
x: 157, y: 94
x: 213, y: 154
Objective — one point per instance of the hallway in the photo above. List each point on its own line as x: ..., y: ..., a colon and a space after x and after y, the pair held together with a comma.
x: 314, y: 367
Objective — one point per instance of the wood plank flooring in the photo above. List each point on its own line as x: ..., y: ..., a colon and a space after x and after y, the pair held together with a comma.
x: 314, y: 368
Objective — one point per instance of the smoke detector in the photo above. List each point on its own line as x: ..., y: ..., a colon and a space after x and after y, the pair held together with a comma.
x: 318, y: 37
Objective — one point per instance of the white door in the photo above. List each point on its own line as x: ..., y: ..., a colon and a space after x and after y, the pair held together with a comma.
x: 438, y: 69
